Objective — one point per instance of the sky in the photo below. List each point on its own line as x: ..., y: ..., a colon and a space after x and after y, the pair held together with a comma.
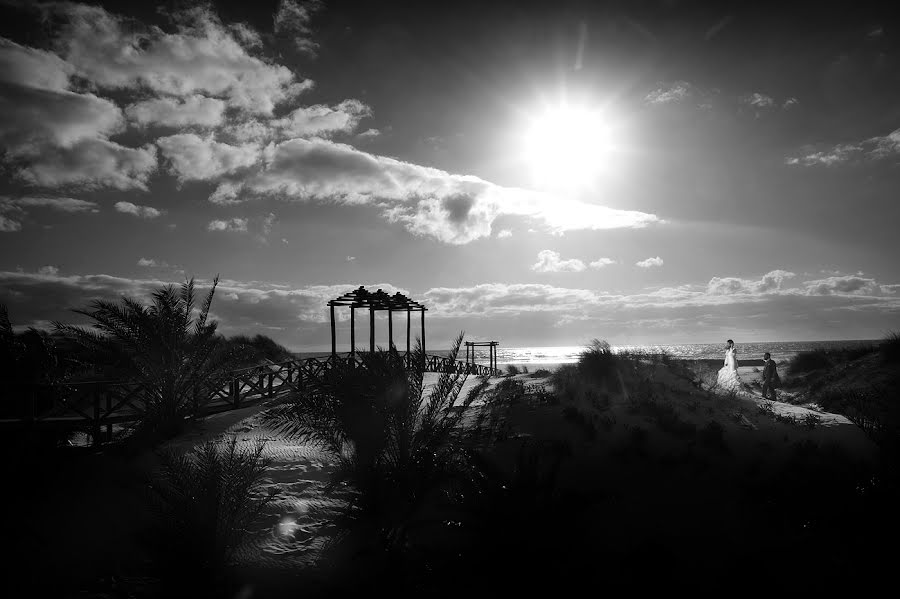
x: 534, y: 173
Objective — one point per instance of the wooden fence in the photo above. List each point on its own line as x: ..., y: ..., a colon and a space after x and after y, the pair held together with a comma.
x: 95, y: 407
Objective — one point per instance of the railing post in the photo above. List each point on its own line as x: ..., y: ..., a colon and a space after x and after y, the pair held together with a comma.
x: 235, y: 393
x: 271, y: 379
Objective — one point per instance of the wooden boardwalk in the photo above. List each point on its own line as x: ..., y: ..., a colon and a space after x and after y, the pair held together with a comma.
x: 96, y: 407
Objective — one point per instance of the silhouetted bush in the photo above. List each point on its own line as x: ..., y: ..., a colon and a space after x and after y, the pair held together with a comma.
x: 512, y: 369
x: 205, y: 502
x: 890, y: 348
x: 597, y: 363
x: 808, y: 361
x: 260, y: 348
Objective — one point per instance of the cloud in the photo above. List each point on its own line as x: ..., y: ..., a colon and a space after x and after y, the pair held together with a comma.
x: 549, y: 261
x: 12, y: 210
x: 844, y: 285
x: 8, y: 225
x: 172, y: 112
x: 192, y: 157
x: 429, y: 202
x: 70, y: 205
x: 92, y: 164
x: 650, y: 262
x: 238, y: 225
x: 350, y: 258
x: 139, y: 211
x: 33, y: 119
x: 369, y: 134
x: 246, y: 35
x: 759, y: 100
x: 770, y: 282
x: 504, y: 233
x: 671, y: 93
x: 33, y: 68
x: 501, y: 298
x: 321, y: 120
x: 873, y: 148
x: 200, y: 57
x: 249, y: 130
x: 51, y: 271
x: 687, y: 94
x: 152, y: 263
x: 292, y: 21
x: 55, y: 137
x: 601, y: 262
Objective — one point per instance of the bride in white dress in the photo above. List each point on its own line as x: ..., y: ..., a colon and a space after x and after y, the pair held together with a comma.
x: 728, y: 379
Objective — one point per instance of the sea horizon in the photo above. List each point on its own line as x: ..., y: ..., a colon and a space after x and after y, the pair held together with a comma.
x: 536, y: 355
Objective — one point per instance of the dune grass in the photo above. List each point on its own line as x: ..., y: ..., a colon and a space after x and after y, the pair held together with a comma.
x: 890, y: 348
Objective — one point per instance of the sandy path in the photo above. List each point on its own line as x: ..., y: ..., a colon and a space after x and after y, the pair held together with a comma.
x: 294, y: 527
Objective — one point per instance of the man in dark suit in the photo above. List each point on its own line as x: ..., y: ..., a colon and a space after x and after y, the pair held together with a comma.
x: 770, y: 377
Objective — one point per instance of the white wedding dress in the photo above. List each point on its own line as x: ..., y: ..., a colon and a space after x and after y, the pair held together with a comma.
x: 728, y: 379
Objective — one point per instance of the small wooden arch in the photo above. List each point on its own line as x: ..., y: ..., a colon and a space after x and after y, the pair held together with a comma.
x: 362, y: 298
x: 492, y: 351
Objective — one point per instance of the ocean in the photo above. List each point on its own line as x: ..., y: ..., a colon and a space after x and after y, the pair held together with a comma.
x: 782, y: 351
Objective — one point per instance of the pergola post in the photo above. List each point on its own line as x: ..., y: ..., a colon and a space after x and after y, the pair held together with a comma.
x: 372, y: 330
x: 390, y: 329
x: 423, y: 332
x: 408, y: 319
x: 333, y: 336
x: 352, y: 331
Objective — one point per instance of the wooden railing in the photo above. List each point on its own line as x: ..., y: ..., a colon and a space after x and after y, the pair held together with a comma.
x: 95, y: 407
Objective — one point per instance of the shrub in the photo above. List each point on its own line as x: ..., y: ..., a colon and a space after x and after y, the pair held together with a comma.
x: 541, y: 373
x: 206, y: 501
x: 597, y: 363
x: 512, y: 370
x: 809, y: 361
x: 890, y: 348
x: 260, y: 348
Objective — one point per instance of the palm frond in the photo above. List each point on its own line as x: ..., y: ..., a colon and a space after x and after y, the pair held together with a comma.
x: 5, y: 326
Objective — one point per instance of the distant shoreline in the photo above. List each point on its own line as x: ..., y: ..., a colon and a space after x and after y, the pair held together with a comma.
x: 709, y: 354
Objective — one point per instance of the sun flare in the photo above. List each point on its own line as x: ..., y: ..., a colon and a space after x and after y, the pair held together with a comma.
x: 566, y: 146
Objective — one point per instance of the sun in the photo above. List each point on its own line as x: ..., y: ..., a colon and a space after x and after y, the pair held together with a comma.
x: 566, y: 146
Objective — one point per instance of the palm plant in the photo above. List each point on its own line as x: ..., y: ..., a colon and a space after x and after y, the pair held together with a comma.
x: 395, y: 445
x: 207, y: 500
x: 29, y: 357
x: 168, y: 348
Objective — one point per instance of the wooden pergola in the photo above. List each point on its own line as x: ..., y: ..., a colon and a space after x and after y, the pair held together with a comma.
x: 492, y: 351
x: 362, y: 298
